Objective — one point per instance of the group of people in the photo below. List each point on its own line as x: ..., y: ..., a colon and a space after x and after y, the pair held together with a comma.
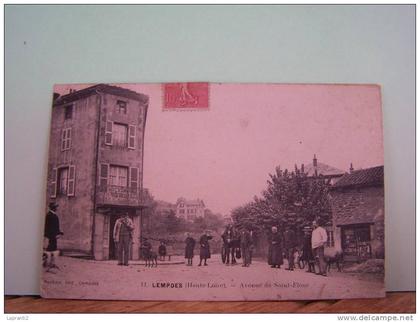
x: 204, y: 245
x: 235, y: 244
x: 314, y: 241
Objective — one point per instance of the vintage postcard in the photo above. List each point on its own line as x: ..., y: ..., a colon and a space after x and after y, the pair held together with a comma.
x: 213, y: 191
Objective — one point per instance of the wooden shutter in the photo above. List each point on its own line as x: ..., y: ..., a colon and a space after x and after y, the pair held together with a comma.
x: 71, y: 180
x: 53, y: 186
x: 134, y: 178
x: 63, y: 139
x: 108, y: 133
x: 131, y: 137
x: 69, y: 133
x: 103, y: 175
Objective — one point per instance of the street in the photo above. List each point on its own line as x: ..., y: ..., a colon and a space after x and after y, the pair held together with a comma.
x: 89, y: 279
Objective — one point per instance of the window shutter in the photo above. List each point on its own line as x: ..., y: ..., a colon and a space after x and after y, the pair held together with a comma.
x: 71, y: 180
x: 108, y: 133
x: 54, y: 183
x: 69, y: 138
x: 63, y: 139
x: 131, y: 137
x: 103, y: 175
x: 134, y: 178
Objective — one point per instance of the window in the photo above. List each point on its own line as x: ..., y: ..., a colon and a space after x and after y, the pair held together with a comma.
x: 118, y: 176
x: 68, y: 112
x: 63, y: 176
x: 63, y: 181
x: 121, y: 176
x: 181, y: 211
x: 66, y: 139
x: 121, y: 107
x: 119, y: 133
x: 330, y: 238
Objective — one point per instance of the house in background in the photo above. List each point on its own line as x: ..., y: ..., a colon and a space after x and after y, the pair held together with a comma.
x: 321, y: 170
x: 190, y: 209
x: 95, y: 166
x: 357, y: 201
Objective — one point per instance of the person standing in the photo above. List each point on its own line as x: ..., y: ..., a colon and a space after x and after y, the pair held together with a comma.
x: 290, y: 246
x: 229, y: 238
x: 319, y: 239
x: 205, y: 247
x: 275, y: 250
x: 123, y: 236
x: 52, y: 232
x: 307, y: 254
x: 246, y: 244
x: 189, y: 249
x: 162, y: 250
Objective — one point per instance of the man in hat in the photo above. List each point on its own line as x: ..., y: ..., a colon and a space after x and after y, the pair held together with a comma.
x: 319, y: 239
x: 290, y: 246
x: 123, y: 236
x: 52, y: 232
x: 307, y: 254
x: 246, y: 244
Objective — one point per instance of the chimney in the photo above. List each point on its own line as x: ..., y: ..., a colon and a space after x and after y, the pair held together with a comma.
x: 315, y: 163
x: 302, y: 168
x: 351, y: 168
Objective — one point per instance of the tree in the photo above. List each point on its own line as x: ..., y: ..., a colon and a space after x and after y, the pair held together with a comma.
x: 290, y: 198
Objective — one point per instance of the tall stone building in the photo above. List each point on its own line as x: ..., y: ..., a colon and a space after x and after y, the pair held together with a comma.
x: 95, y: 166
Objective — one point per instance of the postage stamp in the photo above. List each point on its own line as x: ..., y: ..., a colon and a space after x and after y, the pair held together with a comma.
x: 178, y: 96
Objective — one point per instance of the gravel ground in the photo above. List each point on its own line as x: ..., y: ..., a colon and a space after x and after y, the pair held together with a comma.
x: 88, y: 279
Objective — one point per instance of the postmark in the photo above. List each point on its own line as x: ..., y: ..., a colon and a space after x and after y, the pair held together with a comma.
x: 186, y: 96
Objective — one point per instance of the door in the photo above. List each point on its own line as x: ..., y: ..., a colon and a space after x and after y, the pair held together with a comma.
x: 112, y: 249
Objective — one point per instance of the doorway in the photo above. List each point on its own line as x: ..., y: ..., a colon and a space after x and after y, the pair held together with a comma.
x: 112, y: 249
x: 112, y: 245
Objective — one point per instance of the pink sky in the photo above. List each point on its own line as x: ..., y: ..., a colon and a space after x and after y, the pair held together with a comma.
x: 224, y: 155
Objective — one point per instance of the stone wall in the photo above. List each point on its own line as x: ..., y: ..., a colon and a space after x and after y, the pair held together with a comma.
x: 75, y: 212
x: 362, y: 205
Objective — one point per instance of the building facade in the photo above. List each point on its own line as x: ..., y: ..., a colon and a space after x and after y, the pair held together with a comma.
x: 95, y: 166
x: 190, y: 209
x: 357, y: 201
x: 321, y: 170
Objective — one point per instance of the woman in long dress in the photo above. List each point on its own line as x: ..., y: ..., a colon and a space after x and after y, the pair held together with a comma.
x: 205, y: 248
x: 189, y: 249
x: 275, y: 250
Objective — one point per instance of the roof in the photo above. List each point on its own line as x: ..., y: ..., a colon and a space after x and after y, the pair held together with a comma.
x: 322, y: 168
x: 194, y: 202
x: 362, y: 178
x: 105, y: 88
x: 354, y: 218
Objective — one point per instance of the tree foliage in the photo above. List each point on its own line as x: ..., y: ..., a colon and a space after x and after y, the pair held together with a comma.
x: 291, y: 197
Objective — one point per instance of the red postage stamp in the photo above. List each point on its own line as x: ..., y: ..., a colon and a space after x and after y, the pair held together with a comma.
x: 185, y: 96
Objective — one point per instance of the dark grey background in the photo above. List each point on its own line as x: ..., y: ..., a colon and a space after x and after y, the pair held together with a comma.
x: 290, y: 44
